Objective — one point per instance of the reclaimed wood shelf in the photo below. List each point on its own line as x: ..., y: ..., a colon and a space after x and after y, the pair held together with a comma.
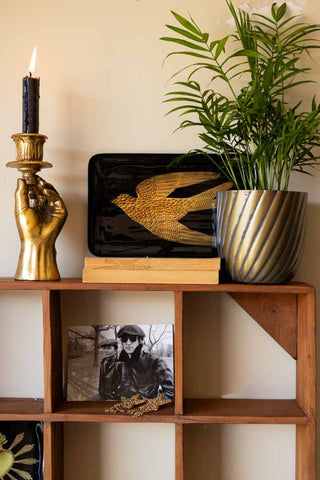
x: 286, y: 312
x: 237, y: 411
x: 196, y: 410
x: 77, y: 284
x: 24, y: 408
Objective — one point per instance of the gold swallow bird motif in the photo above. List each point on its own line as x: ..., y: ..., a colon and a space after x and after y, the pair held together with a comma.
x: 160, y: 214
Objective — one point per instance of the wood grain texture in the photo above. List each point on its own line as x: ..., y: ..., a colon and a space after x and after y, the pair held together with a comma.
x: 179, y: 464
x: 161, y: 264
x: 238, y: 411
x: 275, y: 313
x: 178, y: 352
x: 52, y: 340
x: 273, y: 306
x: 152, y: 270
x: 95, y: 412
x: 306, y: 388
x: 21, y: 408
x: 77, y: 284
x: 96, y: 275
x: 196, y: 410
x: 53, y: 451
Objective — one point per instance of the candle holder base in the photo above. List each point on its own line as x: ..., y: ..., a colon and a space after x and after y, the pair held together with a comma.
x: 29, y: 167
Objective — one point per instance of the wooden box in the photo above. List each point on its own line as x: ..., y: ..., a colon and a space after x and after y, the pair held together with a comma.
x: 151, y: 270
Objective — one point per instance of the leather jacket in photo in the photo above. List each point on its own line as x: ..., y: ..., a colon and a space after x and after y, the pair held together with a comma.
x: 109, y: 378
x: 145, y: 373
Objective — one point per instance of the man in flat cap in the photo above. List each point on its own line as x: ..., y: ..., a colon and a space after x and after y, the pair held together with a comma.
x: 109, y: 378
x: 142, y: 372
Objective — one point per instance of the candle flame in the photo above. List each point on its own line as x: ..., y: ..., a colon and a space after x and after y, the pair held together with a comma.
x: 33, y: 61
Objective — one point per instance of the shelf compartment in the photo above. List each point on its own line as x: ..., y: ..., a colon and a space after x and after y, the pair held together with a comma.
x: 227, y: 411
x: 237, y: 411
x: 95, y: 412
x: 118, y: 451
x: 15, y: 409
x: 208, y: 450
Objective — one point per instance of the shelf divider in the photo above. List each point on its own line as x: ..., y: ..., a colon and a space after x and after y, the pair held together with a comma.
x: 178, y: 352
x: 53, y: 451
x: 179, y: 452
x: 306, y: 388
x: 52, y: 349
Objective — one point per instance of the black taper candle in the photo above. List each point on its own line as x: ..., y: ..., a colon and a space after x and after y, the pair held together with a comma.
x: 30, y: 90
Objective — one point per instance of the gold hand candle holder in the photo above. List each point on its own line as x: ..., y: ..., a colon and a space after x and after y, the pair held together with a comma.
x: 39, y: 210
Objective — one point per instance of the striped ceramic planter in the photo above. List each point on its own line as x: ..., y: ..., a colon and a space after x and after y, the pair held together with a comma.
x: 260, y: 234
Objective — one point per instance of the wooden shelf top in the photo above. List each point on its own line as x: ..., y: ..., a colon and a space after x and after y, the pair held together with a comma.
x: 21, y: 409
x: 77, y: 284
x: 255, y: 411
x: 224, y: 411
x: 95, y: 412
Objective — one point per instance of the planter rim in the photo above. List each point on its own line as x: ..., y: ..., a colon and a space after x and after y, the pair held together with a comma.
x: 280, y: 191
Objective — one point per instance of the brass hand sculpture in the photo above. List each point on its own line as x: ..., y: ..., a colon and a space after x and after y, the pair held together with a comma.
x: 39, y: 221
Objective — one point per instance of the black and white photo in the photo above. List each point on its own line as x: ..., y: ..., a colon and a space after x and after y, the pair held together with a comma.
x: 107, y: 362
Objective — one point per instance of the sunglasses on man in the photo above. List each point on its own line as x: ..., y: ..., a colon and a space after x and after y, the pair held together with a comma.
x: 132, y: 338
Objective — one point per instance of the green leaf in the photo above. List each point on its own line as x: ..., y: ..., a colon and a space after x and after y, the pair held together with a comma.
x: 268, y: 76
x: 192, y: 84
x: 205, y: 37
x: 184, y: 43
x: 181, y: 107
x: 188, y: 94
x: 268, y: 20
x: 292, y: 25
x: 302, y: 32
x: 181, y: 99
x: 281, y: 12
x: 248, y: 53
x: 220, y: 47
x: 288, y: 66
x: 192, y: 54
x: 185, y: 33
x: 272, y: 27
x: 274, y: 11
x: 207, y: 67
x: 185, y: 23
x: 213, y: 44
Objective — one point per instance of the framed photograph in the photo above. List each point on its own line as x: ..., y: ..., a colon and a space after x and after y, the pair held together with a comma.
x: 107, y: 362
x: 140, y: 206
x: 21, y: 450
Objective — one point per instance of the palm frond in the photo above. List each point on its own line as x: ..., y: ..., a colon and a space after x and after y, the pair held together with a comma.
x: 257, y: 137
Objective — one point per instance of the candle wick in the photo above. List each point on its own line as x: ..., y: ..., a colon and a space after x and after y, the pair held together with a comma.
x: 30, y: 74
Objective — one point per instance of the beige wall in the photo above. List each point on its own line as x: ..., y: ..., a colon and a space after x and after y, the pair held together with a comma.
x: 102, y: 83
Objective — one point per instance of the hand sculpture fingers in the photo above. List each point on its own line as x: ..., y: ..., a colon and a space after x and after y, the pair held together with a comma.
x: 21, y: 197
x: 43, y: 184
x: 59, y: 208
x: 55, y: 201
x: 26, y: 217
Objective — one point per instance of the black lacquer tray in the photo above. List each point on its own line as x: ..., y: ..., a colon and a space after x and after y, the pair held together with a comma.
x: 138, y: 206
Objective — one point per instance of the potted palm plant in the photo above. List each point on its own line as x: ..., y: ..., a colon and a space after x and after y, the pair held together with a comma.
x: 252, y: 133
